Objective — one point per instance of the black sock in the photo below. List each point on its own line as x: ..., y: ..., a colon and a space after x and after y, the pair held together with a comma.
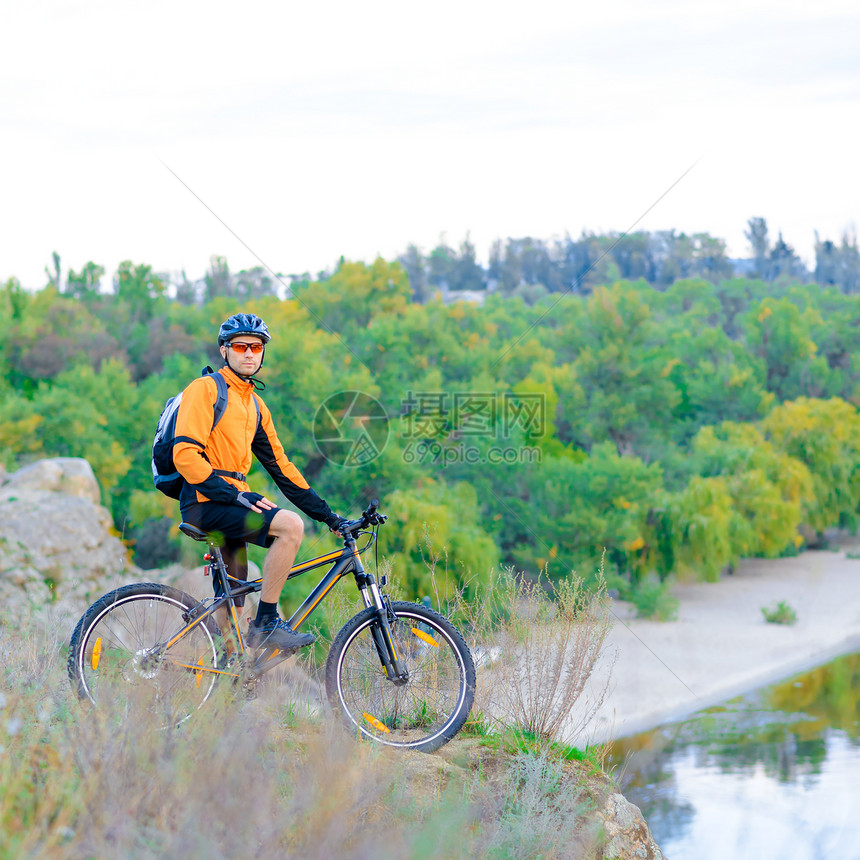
x: 266, y: 612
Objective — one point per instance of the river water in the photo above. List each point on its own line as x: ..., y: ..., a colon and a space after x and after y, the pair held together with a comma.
x: 773, y: 774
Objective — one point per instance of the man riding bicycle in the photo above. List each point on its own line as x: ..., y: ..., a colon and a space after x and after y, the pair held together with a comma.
x: 214, y: 463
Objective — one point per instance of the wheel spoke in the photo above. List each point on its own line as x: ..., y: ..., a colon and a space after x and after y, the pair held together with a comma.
x: 132, y: 623
x: 430, y: 707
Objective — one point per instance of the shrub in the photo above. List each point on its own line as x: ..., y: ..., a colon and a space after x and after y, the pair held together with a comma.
x: 782, y: 613
x: 654, y: 599
x: 155, y: 546
x: 545, y: 647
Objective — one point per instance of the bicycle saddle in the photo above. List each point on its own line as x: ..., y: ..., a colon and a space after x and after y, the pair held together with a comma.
x: 193, y: 532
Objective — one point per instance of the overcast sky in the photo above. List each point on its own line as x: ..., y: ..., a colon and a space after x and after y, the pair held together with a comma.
x: 317, y: 130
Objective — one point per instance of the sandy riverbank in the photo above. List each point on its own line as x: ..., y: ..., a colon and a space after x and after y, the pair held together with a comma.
x: 721, y: 646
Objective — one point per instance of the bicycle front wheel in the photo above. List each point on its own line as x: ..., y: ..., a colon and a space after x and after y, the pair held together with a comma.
x: 127, y: 648
x: 425, y: 712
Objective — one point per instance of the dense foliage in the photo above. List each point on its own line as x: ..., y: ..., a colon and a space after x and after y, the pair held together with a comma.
x: 675, y: 430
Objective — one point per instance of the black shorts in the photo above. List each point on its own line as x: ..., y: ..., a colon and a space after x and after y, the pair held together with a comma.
x: 237, y: 527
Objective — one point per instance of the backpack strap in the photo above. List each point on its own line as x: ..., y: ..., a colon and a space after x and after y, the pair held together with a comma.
x: 221, y: 401
x: 224, y: 474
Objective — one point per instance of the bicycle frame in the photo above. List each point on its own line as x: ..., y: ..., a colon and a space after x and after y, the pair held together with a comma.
x: 346, y: 560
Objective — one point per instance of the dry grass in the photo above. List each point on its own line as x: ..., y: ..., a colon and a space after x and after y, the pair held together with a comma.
x: 264, y: 779
x: 536, y: 649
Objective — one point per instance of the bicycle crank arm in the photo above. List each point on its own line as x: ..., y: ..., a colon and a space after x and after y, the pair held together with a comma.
x: 197, y: 669
x: 268, y: 659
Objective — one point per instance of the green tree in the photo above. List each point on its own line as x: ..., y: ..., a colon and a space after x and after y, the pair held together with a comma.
x: 701, y: 524
x: 415, y: 267
x: 440, y: 265
x: 779, y: 333
x: 769, y: 489
x: 138, y: 289
x: 783, y: 262
x: 347, y: 301
x: 186, y: 291
x: 67, y: 420
x: 13, y: 300
x: 716, y: 377
x: 85, y: 284
x: 219, y: 281
x: 580, y: 507
x: 254, y: 283
x: 53, y: 332
x: 434, y: 542
x: 757, y: 235
x: 621, y: 371
x: 55, y: 274
x: 466, y: 274
x: 825, y: 436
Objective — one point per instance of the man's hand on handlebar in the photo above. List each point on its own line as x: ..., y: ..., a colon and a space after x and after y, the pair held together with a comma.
x: 336, y: 523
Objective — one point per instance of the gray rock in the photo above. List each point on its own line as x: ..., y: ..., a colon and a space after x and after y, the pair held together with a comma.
x: 56, y: 549
x: 70, y: 475
x: 626, y: 834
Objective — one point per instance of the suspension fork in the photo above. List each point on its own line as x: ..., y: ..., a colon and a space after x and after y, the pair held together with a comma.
x: 392, y: 663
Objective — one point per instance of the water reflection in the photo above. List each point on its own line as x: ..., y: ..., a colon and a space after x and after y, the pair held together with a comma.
x: 770, y: 774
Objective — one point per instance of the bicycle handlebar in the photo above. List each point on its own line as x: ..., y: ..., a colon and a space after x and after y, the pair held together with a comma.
x: 369, y: 517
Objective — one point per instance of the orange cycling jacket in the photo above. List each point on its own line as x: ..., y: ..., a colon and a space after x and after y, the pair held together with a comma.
x: 199, y: 449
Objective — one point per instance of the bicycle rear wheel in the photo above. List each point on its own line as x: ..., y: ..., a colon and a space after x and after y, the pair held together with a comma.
x: 431, y: 707
x: 118, y: 652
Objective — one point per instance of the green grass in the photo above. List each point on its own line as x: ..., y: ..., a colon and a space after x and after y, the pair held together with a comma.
x: 477, y: 726
x: 514, y: 741
x: 782, y: 613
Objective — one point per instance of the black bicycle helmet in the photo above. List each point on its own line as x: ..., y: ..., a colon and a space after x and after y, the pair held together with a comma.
x: 243, y: 324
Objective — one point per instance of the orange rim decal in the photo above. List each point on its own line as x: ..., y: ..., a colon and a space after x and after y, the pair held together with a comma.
x: 376, y: 723
x: 97, y: 653
x: 426, y: 637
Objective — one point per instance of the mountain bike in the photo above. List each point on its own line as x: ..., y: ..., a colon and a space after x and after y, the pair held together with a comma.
x: 398, y: 673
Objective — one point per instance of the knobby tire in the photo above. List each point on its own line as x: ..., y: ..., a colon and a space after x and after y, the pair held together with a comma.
x: 431, y: 707
x: 110, y: 652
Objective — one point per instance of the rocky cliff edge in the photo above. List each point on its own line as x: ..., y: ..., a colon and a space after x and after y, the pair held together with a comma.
x: 57, y: 549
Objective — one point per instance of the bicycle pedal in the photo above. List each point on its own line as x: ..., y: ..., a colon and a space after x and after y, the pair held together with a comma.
x: 249, y: 690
